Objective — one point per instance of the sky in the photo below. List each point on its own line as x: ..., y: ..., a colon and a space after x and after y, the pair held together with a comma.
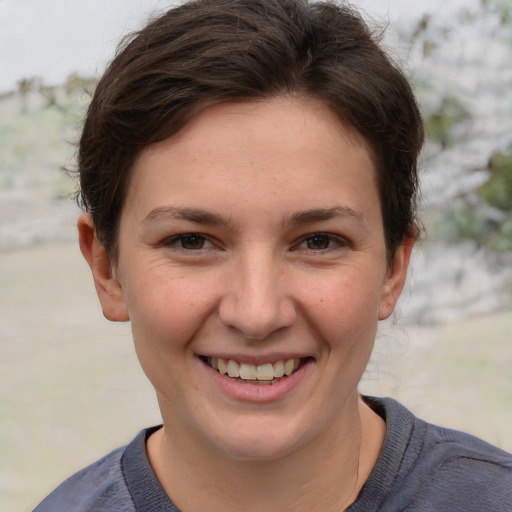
x: 53, y: 38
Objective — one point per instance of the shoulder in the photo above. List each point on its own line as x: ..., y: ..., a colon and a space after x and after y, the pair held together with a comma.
x: 98, y: 487
x: 428, y: 467
x: 466, y: 469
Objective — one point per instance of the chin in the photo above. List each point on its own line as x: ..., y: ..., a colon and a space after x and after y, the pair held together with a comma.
x: 259, y: 440
x: 257, y: 448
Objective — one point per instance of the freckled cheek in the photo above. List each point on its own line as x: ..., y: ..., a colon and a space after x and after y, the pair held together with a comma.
x: 348, y: 308
x: 168, y: 314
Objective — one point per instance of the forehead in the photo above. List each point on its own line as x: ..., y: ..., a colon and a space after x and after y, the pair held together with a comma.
x: 253, y: 151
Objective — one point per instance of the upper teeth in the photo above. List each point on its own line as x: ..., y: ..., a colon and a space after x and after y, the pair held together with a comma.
x: 248, y: 371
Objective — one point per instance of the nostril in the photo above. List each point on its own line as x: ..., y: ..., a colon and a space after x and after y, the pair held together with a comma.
x: 257, y: 320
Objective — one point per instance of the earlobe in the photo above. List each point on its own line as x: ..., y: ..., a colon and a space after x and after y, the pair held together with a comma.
x: 395, y: 279
x: 108, y: 288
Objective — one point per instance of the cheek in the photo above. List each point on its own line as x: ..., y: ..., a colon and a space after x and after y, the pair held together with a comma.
x: 348, y: 294
x: 165, y: 317
x: 346, y: 309
x: 166, y: 311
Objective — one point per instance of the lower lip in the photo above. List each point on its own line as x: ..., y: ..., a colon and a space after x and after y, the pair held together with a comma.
x: 258, y: 392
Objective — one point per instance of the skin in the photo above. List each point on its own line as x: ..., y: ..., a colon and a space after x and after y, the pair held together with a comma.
x: 287, y: 258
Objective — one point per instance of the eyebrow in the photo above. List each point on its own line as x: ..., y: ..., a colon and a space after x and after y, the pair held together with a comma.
x: 166, y: 213
x: 321, y: 214
x: 190, y: 214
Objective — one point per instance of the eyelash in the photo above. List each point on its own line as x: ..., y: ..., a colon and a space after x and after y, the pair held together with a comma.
x: 177, y: 242
x: 334, y: 242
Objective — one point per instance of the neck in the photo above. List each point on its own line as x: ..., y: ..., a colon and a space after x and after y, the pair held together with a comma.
x: 325, y: 474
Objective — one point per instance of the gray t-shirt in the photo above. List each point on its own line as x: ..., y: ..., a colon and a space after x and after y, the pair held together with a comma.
x: 422, y: 468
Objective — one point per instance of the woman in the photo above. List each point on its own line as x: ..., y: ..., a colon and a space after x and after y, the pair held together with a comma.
x: 248, y: 169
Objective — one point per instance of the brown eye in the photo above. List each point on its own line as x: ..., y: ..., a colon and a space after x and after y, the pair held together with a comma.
x: 188, y: 242
x: 321, y: 243
x: 192, y: 242
x: 318, y: 241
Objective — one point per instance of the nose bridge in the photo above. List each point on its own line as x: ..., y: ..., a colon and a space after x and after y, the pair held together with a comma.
x: 257, y: 303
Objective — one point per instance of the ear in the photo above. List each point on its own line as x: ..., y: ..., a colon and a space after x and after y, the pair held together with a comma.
x: 395, y: 278
x: 108, y: 288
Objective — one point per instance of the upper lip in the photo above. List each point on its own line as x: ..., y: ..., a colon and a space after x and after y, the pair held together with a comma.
x: 256, y: 359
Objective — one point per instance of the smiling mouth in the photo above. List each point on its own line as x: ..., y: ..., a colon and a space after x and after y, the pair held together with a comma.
x: 263, y: 374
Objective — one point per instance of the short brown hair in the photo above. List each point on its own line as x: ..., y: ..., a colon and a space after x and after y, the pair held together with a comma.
x: 210, y: 51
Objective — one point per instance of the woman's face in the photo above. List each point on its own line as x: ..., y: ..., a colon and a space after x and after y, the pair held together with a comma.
x: 254, y: 238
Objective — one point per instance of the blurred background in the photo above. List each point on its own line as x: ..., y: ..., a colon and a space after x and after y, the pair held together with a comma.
x: 70, y: 385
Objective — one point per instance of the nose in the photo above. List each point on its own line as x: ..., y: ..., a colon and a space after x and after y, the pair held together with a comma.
x: 256, y: 303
